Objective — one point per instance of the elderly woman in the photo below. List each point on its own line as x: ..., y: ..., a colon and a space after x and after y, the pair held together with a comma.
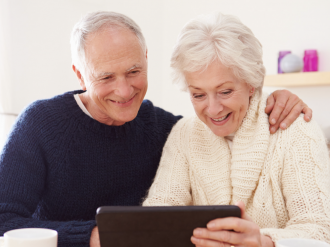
x: 226, y: 155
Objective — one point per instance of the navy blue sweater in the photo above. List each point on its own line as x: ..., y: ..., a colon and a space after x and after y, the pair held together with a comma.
x: 59, y: 165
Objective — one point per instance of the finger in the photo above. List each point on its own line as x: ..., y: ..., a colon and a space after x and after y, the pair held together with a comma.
x: 244, y: 215
x: 225, y: 236
x: 291, y: 117
x: 280, y: 97
x: 273, y: 128
x: 308, y: 113
x: 200, y: 242
x: 290, y: 110
x: 230, y: 223
x: 270, y: 104
x: 277, y: 110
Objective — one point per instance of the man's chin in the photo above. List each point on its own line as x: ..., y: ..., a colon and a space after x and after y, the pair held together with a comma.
x: 124, y: 119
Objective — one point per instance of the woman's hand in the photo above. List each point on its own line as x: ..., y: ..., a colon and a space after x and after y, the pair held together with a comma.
x: 95, y: 239
x: 284, y: 107
x: 218, y: 234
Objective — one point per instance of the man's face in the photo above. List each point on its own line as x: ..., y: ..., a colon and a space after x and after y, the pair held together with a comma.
x: 116, y: 75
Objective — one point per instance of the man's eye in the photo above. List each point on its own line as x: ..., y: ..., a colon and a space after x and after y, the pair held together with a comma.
x: 106, y: 78
x: 134, y: 72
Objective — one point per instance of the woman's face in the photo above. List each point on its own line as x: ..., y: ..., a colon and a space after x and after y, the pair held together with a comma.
x: 220, y: 100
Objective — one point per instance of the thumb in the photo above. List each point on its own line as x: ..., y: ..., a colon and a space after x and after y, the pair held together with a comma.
x: 244, y: 215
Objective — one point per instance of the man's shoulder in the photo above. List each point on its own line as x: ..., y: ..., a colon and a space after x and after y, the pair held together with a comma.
x: 149, y: 112
x: 59, y: 103
x: 49, y: 110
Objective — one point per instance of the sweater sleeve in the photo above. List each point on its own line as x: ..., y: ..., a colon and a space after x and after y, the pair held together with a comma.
x: 23, y: 174
x: 305, y: 185
x: 171, y: 186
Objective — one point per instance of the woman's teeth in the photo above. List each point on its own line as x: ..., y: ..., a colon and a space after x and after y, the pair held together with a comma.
x: 220, y: 119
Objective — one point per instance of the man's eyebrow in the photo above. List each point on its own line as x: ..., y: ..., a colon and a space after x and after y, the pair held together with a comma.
x: 102, y: 74
x: 135, y: 66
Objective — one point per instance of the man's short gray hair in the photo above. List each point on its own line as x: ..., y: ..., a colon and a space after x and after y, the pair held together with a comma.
x: 218, y: 37
x: 93, y: 22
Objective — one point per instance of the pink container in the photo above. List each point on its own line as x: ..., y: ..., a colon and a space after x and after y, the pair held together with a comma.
x: 310, y: 61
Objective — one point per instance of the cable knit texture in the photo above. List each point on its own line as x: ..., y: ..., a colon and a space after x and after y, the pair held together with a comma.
x: 283, y: 179
x: 59, y: 165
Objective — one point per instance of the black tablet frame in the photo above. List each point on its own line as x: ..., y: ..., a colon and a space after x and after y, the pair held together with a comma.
x: 128, y: 226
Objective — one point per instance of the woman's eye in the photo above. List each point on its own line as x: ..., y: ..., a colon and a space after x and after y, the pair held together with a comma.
x: 198, y: 96
x: 226, y: 92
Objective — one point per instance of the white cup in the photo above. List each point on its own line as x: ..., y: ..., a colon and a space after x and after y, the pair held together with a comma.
x: 29, y: 237
x: 301, y: 242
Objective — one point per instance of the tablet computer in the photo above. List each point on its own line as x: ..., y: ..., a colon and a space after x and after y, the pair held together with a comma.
x: 128, y: 226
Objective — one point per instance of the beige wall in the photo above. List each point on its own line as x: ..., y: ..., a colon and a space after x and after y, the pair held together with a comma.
x: 38, y: 32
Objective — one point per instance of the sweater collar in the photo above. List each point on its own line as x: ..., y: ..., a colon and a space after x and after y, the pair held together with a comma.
x: 94, y: 125
x: 250, y: 146
x: 241, y: 166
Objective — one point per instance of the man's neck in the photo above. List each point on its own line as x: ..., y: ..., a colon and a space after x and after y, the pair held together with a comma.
x: 96, y: 112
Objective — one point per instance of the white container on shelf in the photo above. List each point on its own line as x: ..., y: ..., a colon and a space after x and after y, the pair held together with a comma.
x: 291, y: 63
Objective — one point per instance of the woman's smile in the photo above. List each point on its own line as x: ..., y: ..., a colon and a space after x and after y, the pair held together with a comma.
x: 222, y: 120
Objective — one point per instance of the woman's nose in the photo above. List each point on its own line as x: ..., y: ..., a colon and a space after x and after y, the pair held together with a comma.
x: 214, y: 107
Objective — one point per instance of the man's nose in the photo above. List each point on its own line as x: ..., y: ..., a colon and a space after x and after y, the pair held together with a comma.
x: 124, y: 89
x: 214, y: 107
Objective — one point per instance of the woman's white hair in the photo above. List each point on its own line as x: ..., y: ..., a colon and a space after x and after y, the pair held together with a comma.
x: 93, y: 22
x: 218, y: 37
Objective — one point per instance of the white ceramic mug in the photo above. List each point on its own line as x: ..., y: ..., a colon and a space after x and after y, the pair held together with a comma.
x: 29, y: 237
x: 301, y: 242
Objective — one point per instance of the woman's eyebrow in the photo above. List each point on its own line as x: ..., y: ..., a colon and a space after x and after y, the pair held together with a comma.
x: 221, y: 84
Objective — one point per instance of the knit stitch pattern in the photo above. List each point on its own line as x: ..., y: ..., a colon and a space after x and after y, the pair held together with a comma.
x: 59, y: 165
x: 283, y: 178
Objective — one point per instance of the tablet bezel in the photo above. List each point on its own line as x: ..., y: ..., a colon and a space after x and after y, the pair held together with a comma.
x: 128, y: 226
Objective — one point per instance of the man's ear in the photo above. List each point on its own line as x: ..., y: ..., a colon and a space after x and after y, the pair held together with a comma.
x: 147, y: 54
x: 80, y: 78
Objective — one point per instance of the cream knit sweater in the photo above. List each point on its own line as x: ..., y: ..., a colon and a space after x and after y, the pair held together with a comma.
x: 283, y: 179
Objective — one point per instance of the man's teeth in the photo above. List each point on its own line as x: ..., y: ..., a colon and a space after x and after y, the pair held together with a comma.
x: 220, y: 119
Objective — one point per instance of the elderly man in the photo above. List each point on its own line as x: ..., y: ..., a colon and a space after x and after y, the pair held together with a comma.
x: 70, y: 154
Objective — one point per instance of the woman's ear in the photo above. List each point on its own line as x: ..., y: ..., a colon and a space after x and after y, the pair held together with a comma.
x: 251, y: 90
x: 80, y: 78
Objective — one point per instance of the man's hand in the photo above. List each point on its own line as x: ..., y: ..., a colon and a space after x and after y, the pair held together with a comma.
x: 95, y: 239
x: 284, y: 108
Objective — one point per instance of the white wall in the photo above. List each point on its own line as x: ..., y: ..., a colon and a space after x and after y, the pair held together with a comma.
x: 38, y: 32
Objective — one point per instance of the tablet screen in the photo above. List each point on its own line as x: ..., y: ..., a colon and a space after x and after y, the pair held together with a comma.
x: 130, y: 226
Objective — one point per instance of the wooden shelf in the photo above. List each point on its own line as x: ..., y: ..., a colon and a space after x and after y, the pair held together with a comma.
x: 301, y: 79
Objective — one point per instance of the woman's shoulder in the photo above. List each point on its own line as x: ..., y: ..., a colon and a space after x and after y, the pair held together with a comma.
x: 302, y: 137
x: 301, y: 128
